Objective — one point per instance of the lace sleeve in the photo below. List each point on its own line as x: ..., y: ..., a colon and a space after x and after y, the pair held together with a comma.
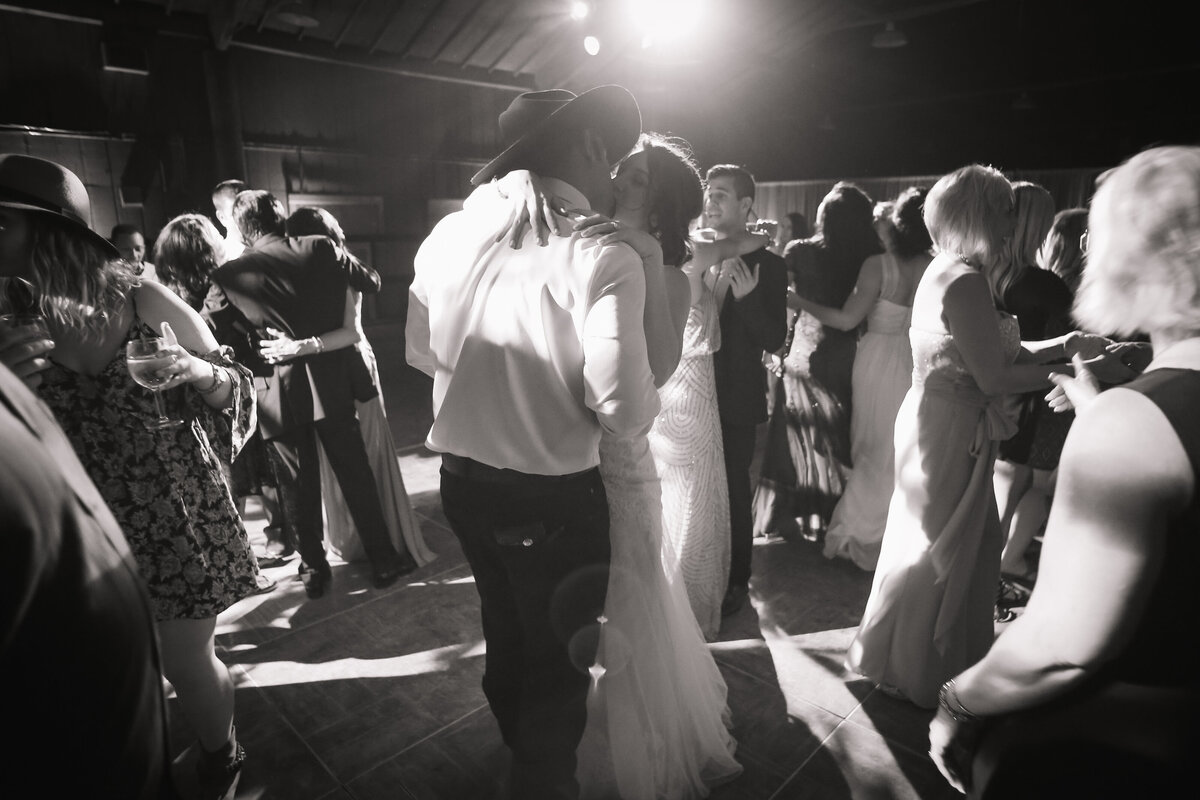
x: 228, y: 428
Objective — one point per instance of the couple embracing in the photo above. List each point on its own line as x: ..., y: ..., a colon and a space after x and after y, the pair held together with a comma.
x: 545, y: 361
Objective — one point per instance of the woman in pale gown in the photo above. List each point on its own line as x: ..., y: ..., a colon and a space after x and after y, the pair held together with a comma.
x: 882, y: 373
x: 403, y: 528
x: 658, y: 722
x: 929, y: 615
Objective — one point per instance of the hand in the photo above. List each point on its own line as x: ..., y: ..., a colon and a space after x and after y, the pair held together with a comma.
x: 952, y: 747
x: 24, y: 349
x: 281, y: 348
x: 742, y: 279
x: 1087, y: 345
x: 1135, y: 355
x: 1072, y: 393
x: 529, y: 204
x: 610, y: 231
x: 775, y: 364
x: 183, y: 367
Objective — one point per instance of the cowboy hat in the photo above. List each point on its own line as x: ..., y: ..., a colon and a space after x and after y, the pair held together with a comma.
x: 533, y: 116
x: 43, y: 187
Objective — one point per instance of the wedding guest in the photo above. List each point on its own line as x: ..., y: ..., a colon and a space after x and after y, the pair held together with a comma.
x: 1086, y: 694
x: 808, y: 441
x: 751, y: 302
x: 165, y: 485
x: 403, y: 528
x: 930, y: 611
x: 131, y: 244
x: 882, y: 372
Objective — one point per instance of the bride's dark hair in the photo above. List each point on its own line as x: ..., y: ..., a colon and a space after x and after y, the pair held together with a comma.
x: 676, y: 194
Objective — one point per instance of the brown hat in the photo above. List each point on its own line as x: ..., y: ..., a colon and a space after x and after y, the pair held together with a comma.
x: 41, y: 186
x: 533, y: 116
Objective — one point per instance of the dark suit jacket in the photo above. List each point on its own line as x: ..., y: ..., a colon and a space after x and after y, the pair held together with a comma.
x: 750, y: 326
x: 296, y: 285
x: 76, y: 625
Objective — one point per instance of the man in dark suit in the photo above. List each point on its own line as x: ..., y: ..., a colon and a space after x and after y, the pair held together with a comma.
x: 752, y: 292
x: 298, y: 286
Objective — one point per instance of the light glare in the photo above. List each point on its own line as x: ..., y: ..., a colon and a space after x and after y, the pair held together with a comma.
x: 660, y: 21
x: 591, y: 44
x: 579, y: 10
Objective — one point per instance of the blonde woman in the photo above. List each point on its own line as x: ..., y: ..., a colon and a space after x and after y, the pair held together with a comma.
x: 929, y: 614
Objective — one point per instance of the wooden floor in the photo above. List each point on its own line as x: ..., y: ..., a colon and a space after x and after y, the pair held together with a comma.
x: 367, y: 694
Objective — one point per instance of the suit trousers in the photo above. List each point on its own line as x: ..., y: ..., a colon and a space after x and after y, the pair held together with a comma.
x: 739, y: 443
x: 539, y: 550
x: 300, y: 488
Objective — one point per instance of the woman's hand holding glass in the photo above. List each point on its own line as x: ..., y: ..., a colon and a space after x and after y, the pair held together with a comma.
x: 159, y: 363
x: 24, y: 346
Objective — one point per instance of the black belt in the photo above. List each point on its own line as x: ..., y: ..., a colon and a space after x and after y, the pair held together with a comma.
x: 473, y: 470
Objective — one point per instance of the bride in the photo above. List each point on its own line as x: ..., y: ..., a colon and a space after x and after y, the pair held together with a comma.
x: 657, y: 715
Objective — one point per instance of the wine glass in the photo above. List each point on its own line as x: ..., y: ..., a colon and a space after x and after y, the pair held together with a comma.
x: 145, y: 358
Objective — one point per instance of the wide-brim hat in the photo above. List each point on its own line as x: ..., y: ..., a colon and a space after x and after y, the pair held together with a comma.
x: 35, y: 184
x: 533, y: 117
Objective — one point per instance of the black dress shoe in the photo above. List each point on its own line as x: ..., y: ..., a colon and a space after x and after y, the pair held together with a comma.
x: 735, y: 598
x: 383, y: 578
x: 316, y: 581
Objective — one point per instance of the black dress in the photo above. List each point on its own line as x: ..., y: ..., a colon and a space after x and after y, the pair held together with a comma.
x: 1129, y: 731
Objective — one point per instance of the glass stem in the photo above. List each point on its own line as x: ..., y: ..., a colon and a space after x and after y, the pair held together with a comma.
x: 162, y: 415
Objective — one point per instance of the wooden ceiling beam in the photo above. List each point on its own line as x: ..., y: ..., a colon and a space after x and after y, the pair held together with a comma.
x: 500, y: 22
x: 420, y: 31
x: 337, y: 42
x: 467, y: 19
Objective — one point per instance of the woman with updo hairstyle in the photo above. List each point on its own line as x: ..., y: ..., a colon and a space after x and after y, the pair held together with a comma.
x: 882, y: 373
x: 930, y: 611
x: 1090, y: 692
x: 1062, y: 252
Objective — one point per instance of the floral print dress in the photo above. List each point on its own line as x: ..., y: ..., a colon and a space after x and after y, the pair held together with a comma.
x: 167, y: 488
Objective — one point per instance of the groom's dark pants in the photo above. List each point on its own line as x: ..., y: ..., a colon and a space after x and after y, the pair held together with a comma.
x: 538, y: 547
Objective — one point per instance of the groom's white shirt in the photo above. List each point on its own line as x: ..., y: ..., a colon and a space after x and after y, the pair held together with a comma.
x: 533, y: 352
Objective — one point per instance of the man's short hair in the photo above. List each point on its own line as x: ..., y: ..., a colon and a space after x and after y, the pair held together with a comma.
x: 230, y: 189
x: 123, y: 229
x: 743, y: 181
x: 257, y: 213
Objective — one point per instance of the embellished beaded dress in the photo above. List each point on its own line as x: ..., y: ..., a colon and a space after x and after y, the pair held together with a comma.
x: 686, y: 443
x: 658, y: 719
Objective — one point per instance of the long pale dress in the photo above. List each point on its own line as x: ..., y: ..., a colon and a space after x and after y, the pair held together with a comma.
x: 882, y: 376
x: 686, y: 443
x: 657, y: 714
x: 929, y: 615
x: 403, y: 528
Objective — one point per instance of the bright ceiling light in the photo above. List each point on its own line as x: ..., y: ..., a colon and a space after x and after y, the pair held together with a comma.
x: 591, y: 44
x: 665, y: 21
x: 579, y: 10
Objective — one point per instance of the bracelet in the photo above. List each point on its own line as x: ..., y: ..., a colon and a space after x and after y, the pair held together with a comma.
x: 320, y: 344
x: 218, y: 380
x: 948, y: 699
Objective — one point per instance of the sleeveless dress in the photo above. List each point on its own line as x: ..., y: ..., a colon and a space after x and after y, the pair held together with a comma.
x: 882, y: 377
x: 658, y: 720
x: 929, y: 615
x: 167, y: 488
x: 1129, y: 730
x: 686, y: 443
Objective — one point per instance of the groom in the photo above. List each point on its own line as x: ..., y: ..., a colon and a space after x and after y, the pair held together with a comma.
x: 533, y: 352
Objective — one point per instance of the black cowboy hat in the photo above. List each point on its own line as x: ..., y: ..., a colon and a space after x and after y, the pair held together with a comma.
x: 43, y: 187
x: 532, y: 116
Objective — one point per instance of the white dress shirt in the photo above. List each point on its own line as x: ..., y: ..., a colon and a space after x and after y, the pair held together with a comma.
x: 533, y: 351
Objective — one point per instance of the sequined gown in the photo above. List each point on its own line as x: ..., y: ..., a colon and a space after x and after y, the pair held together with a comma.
x: 658, y: 720
x: 929, y: 615
x: 686, y: 443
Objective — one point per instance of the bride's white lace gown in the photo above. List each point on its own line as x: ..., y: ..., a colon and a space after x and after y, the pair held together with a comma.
x: 657, y: 715
x: 686, y: 443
